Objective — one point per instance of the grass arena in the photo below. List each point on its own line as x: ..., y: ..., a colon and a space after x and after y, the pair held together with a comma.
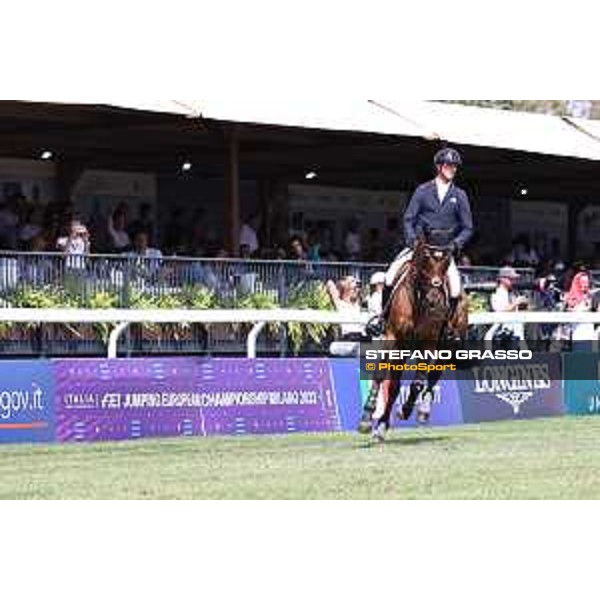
x: 538, y: 459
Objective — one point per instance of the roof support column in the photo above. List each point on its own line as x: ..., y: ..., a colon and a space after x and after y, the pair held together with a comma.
x: 232, y: 193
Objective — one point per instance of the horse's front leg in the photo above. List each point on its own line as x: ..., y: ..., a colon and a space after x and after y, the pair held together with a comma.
x: 383, y: 416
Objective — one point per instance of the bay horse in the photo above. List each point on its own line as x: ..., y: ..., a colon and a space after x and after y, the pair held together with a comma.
x: 419, y: 312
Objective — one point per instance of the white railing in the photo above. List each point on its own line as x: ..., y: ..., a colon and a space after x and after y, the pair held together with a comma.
x: 122, y: 318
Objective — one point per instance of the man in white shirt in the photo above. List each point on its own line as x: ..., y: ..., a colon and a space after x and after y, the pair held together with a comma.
x: 141, y: 248
x: 503, y: 300
x: 248, y: 236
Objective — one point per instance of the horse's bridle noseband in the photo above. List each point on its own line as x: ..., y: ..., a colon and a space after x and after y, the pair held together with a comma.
x: 435, y: 283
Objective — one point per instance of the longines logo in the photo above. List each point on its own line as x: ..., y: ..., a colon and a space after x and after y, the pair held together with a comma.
x: 513, y: 384
x: 515, y: 399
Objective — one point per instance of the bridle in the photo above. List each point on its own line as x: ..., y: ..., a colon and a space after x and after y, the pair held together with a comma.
x: 431, y: 292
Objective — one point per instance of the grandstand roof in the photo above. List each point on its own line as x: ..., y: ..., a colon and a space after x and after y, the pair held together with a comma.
x: 483, y: 127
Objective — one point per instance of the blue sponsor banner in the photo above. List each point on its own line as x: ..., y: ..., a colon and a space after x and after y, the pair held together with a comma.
x: 446, y: 407
x: 345, y: 373
x: 495, y: 392
x: 351, y: 393
x: 26, y: 402
x: 582, y: 383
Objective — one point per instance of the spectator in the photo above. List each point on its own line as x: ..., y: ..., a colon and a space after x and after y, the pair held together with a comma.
x: 352, y: 243
x: 465, y: 261
x: 75, y: 245
x: 143, y: 223
x: 566, y: 278
x: 376, y: 296
x: 503, y: 300
x: 579, y: 299
x: 119, y: 240
x: 245, y: 253
x: 522, y: 254
x: 141, y: 247
x: 39, y: 243
x: 248, y: 234
x: 297, y: 249
x: 346, y: 299
x: 579, y: 296
x: 77, y: 242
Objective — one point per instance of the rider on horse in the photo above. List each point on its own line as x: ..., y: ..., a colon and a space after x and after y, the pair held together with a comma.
x: 439, y: 210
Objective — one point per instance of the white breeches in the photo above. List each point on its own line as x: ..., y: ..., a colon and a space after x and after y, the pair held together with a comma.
x: 454, y: 282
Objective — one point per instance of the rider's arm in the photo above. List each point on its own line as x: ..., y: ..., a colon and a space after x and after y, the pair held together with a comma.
x: 466, y: 221
x: 410, y: 219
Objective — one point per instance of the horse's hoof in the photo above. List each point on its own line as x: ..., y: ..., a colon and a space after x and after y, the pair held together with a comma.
x: 365, y: 427
x: 400, y: 414
x: 423, y: 417
x: 379, y: 432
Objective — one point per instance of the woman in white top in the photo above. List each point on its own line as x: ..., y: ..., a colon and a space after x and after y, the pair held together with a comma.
x: 346, y: 298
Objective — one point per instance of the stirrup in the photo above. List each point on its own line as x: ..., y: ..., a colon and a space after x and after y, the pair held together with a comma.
x: 375, y: 327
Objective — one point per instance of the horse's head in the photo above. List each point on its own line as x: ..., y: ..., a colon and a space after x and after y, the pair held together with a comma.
x: 431, y: 265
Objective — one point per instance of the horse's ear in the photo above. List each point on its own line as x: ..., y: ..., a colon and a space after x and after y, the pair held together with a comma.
x: 420, y: 241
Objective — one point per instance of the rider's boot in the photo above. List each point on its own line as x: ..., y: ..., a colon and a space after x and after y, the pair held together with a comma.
x: 376, y: 326
x: 451, y: 334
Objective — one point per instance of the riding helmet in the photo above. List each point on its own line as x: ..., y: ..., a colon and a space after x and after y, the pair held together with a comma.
x: 448, y: 156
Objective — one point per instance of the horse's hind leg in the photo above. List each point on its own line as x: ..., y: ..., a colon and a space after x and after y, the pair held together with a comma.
x: 365, y: 425
x: 406, y: 410
x: 424, y: 412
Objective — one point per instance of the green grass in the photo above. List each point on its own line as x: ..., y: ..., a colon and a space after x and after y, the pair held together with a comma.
x: 550, y: 458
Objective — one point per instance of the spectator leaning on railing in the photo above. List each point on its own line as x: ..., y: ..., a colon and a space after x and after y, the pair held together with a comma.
x: 75, y: 245
x: 346, y: 299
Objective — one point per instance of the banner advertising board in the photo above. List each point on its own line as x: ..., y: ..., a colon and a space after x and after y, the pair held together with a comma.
x: 26, y: 401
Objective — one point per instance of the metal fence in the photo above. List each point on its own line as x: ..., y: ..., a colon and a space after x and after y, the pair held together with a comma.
x: 53, y: 280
